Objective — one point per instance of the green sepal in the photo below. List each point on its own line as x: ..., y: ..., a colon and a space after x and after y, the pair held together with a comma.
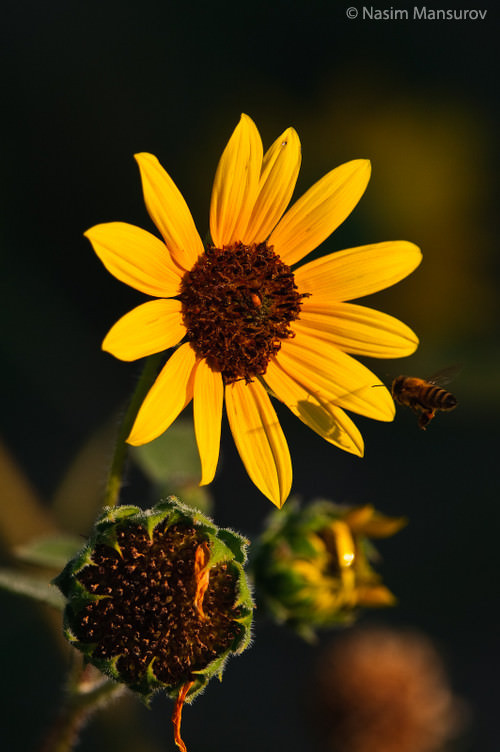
x: 147, y: 687
x: 68, y: 583
x: 105, y: 528
x: 85, y: 648
x: 203, y: 677
x: 236, y: 543
x: 244, y: 592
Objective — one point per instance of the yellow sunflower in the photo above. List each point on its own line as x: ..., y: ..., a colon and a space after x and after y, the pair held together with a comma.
x: 243, y: 322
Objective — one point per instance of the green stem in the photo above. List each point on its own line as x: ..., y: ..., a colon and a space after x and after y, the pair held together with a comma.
x: 80, y: 704
x: 115, y: 476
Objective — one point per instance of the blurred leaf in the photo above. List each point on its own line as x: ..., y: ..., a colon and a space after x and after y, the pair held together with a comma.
x: 54, y: 551
x: 32, y: 587
x: 22, y: 513
x: 171, y: 458
x: 78, y: 498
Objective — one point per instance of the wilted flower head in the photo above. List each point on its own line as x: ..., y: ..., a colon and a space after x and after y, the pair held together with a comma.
x: 312, y: 566
x: 158, y: 599
x: 245, y: 324
x: 382, y: 690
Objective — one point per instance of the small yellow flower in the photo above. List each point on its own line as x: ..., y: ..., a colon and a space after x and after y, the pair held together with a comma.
x: 243, y: 323
x: 313, y: 566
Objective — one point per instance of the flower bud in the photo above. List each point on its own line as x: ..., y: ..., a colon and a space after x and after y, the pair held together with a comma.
x: 312, y: 566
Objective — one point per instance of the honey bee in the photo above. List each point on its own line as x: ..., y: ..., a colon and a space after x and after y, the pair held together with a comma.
x: 425, y: 396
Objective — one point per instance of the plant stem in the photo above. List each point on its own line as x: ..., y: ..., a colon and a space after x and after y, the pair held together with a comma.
x: 115, y: 476
x: 80, y: 704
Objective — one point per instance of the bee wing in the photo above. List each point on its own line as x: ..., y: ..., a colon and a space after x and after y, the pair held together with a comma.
x: 444, y: 375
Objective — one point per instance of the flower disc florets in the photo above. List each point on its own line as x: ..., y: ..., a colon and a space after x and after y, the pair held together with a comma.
x: 158, y: 599
x: 237, y: 305
x: 312, y: 566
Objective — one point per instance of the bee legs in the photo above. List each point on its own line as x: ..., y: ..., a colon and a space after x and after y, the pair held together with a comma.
x: 425, y: 417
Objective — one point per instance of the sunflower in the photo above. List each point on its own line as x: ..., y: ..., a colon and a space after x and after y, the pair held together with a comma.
x: 244, y: 322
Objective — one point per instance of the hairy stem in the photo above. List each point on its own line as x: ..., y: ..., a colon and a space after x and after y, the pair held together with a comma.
x: 83, y: 698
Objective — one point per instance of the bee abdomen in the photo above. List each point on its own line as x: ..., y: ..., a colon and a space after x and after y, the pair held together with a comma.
x: 440, y: 398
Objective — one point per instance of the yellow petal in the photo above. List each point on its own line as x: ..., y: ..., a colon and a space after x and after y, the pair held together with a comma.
x: 259, y: 439
x: 207, y: 409
x: 358, y: 517
x: 374, y: 595
x: 135, y: 257
x: 356, y: 329
x: 372, y: 524
x: 150, y: 328
x: 335, y: 377
x: 171, y: 392
x: 169, y: 211
x: 343, y: 543
x: 383, y: 527
x: 320, y: 211
x: 236, y: 184
x: 327, y: 420
x: 356, y: 272
x: 280, y: 169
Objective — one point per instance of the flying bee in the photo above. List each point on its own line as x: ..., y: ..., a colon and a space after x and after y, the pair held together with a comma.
x: 425, y: 396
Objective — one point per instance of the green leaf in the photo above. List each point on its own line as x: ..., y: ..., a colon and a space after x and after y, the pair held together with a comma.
x: 54, y: 551
x: 32, y: 587
x: 172, y: 457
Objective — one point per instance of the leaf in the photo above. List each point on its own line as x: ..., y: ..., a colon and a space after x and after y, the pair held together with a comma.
x: 51, y: 551
x: 32, y: 587
x: 172, y: 457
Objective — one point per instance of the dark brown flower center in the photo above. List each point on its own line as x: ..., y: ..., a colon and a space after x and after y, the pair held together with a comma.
x: 158, y: 605
x: 237, y: 305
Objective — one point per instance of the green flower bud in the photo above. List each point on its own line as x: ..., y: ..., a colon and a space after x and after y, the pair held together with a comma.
x: 158, y: 599
x: 312, y: 566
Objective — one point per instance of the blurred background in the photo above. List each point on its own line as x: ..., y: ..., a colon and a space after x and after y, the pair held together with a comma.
x: 86, y: 85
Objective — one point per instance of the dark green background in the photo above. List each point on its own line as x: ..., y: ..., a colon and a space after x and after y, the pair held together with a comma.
x: 87, y: 84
